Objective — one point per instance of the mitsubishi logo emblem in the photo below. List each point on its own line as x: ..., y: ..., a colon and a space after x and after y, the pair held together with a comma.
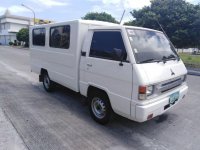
x: 172, y: 73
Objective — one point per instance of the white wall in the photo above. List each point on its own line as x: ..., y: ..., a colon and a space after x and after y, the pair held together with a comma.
x: 18, y: 21
x: 5, y: 39
x: 2, y: 40
x: 189, y: 50
x: 16, y: 27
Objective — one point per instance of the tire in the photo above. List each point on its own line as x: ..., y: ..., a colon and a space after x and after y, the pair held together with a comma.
x: 100, y: 108
x: 47, y: 83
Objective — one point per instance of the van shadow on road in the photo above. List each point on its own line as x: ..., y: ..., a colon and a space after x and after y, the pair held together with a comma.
x: 61, y: 120
x: 130, y: 133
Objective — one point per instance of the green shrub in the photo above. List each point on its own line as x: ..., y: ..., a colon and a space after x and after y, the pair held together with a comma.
x: 23, y: 35
x: 10, y: 43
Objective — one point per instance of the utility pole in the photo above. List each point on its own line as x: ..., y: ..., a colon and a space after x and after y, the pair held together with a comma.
x: 31, y: 11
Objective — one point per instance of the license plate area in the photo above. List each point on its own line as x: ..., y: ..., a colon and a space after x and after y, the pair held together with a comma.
x: 173, y: 98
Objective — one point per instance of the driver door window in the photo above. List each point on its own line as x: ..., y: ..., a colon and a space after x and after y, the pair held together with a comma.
x: 108, y: 45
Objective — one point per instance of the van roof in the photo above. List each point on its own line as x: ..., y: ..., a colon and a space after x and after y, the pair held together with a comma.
x: 90, y: 22
x: 101, y: 24
x: 122, y: 26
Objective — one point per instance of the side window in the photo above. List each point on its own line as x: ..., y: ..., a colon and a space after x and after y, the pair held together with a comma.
x: 60, y: 37
x: 108, y: 45
x: 39, y: 37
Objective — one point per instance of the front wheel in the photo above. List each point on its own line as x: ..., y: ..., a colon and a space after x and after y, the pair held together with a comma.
x: 47, y: 83
x: 100, y: 108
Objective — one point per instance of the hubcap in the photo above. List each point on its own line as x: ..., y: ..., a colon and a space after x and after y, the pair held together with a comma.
x: 98, y: 107
x: 46, y: 81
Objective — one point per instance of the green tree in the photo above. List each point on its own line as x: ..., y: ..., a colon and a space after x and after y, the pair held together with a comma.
x: 178, y: 18
x: 23, y: 36
x: 195, y: 27
x: 103, y: 16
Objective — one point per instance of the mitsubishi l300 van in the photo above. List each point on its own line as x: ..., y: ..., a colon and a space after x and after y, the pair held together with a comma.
x: 132, y: 71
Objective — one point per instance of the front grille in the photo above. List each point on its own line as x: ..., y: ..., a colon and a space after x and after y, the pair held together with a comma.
x: 170, y: 85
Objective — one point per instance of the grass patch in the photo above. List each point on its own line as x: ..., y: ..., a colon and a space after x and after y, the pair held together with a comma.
x: 190, y: 60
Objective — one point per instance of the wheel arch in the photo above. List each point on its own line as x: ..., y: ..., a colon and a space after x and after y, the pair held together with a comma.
x: 41, y: 75
x: 92, y: 88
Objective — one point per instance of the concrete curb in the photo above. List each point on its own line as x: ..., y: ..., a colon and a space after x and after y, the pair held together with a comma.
x: 10, y: 138
x: 16, y: 47
x: 192, y: 72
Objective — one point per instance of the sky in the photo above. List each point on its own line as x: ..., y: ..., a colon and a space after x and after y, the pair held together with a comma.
x: 64, y: 10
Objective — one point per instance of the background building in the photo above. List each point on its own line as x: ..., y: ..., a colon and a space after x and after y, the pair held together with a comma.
x: 11, y: 24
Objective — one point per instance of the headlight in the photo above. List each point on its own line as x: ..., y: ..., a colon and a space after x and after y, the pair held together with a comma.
x: 145, y: 91
x: 150, y: 90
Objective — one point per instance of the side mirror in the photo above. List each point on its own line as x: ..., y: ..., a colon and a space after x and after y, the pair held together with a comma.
x: 119, y: 55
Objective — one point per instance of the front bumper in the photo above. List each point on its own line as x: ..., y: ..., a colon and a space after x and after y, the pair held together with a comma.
x: 142, y: 112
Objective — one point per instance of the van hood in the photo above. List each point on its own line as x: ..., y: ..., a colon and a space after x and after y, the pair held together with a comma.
x: 158, y: 72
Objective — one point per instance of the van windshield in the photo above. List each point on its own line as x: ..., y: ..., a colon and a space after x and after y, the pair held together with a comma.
x: 151, y: 46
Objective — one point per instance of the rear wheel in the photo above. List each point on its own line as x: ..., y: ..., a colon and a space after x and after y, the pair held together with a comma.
x: 100, y: 108
x: 47, y: 83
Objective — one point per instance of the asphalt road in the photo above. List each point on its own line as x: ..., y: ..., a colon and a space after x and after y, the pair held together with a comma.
x: 60, y: 120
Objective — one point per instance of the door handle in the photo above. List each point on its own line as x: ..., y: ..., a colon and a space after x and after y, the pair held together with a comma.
x: 89, y: 65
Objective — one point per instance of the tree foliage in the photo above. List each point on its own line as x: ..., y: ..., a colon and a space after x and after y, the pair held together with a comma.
x: 180, y: 20
x: 23, y: 35
x: 103, y: 16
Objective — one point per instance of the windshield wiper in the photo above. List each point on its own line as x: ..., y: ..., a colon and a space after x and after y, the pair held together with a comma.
x: 150, y: 60
x: 170, y: 57
x: 174, y: 57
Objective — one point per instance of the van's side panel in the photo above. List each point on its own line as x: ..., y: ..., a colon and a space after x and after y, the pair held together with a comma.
x: 61, y: 64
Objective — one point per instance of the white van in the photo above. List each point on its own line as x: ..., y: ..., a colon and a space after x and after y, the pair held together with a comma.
x: 134, y: 72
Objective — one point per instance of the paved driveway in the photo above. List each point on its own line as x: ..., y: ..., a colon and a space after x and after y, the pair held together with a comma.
x: 60, y: 120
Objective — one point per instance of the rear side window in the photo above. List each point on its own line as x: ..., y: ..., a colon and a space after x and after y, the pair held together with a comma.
x: 39, y: 37
x: 108, y: 45
x: 60, y: 37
